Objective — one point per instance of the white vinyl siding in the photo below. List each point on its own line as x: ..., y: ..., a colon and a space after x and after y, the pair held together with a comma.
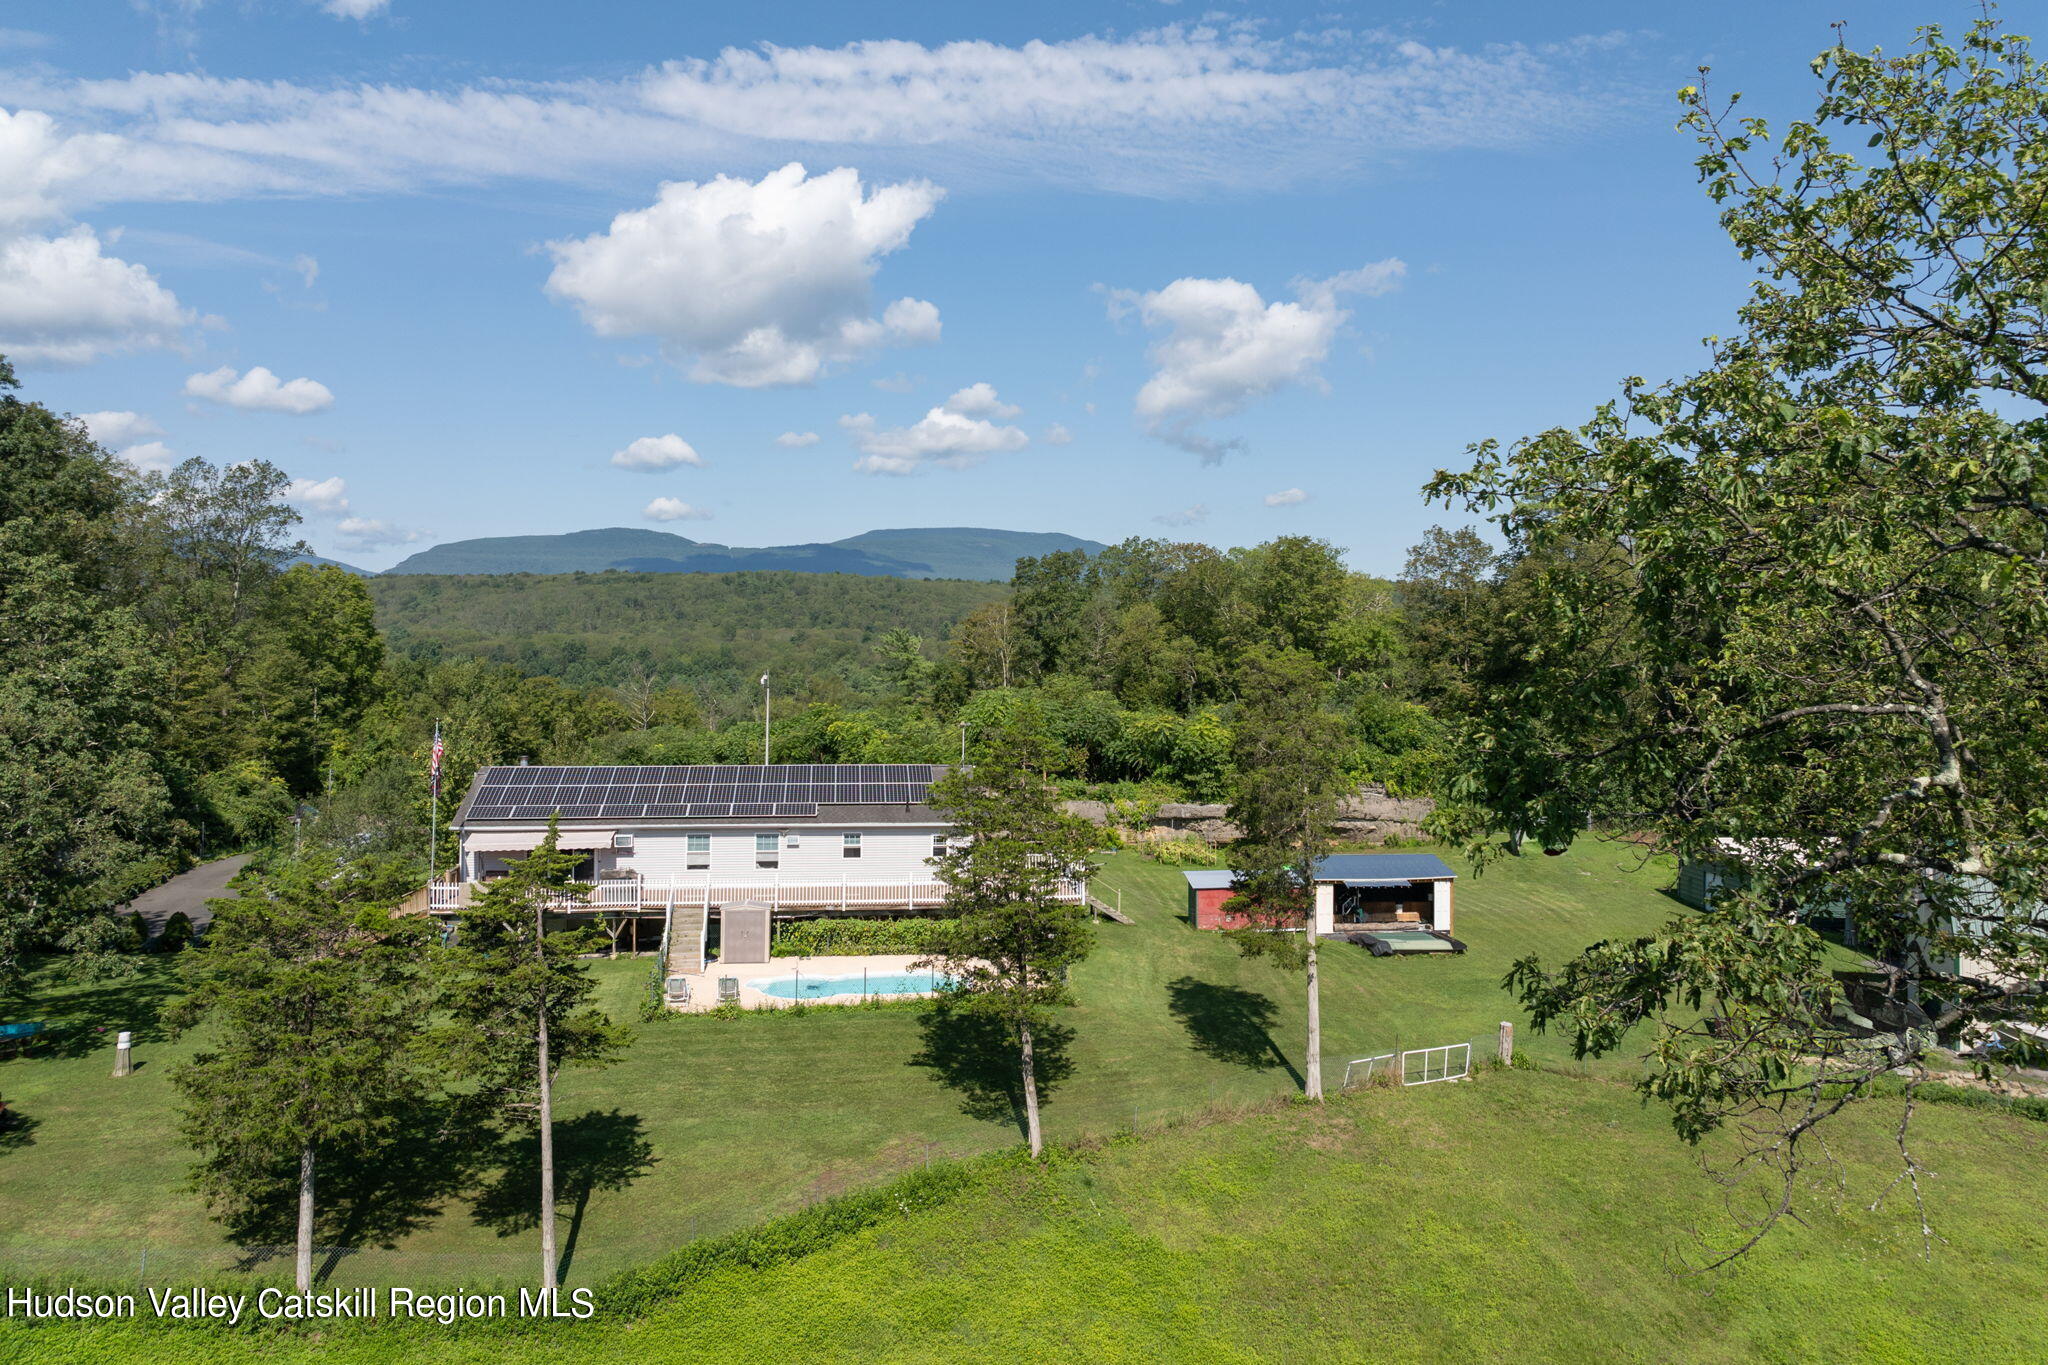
x: 891, y: 854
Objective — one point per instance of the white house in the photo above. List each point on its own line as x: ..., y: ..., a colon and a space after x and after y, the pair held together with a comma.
x: 797, y: 838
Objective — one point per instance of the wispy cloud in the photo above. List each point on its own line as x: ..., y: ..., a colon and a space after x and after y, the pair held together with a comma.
x: 1179, y: 110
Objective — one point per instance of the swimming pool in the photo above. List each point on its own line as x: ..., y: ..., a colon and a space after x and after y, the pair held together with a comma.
x: 802, y: 987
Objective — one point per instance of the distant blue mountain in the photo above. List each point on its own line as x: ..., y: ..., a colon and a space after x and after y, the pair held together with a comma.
x: 316, y: 561
x: 940, y: 552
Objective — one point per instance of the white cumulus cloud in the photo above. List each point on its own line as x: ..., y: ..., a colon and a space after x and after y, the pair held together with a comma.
x: 355, y: 9
x: 369, y: 533
x: 151, y: 457
x: 63, y: 301
x: 651, y: 454
x: 980, y: 400
x: 953, y: 435
x: 329, y: 497
x: 260, y: 391
x: 1058, y: 435
x: 673, y: 509
x: 1224, y: 346
x: 112, y: 429
x: 1186, y: 516
x: 752, y: 283
x: 1286, y: 497
x: 797, y: 440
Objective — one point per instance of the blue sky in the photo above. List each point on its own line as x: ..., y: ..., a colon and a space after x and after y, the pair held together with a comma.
x: 472, y: 269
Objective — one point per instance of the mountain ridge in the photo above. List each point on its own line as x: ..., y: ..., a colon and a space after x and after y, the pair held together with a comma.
x: 980, y: 553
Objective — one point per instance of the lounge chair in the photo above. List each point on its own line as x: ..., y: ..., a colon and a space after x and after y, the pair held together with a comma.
x: 728, y: 990
x: 679, y: 990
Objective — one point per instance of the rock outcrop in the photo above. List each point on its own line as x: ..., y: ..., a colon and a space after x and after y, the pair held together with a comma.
x: 1368, y: 816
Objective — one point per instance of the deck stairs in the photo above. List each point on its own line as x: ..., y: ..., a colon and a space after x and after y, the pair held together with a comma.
x: 686, y: 926
x: 1108, y: 911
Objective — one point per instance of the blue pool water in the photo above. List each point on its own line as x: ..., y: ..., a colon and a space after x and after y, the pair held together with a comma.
x: 878, y: 983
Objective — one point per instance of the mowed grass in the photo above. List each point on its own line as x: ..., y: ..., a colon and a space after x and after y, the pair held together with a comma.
x: 747, y: 1119
x: 1519, y: 1217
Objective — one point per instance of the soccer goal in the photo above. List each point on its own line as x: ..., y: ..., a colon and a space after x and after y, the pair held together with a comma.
x: 1422, y: 1065
x: 1360, y: 1070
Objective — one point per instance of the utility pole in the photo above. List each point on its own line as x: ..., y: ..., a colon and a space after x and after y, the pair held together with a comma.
x: 767, y: 715
x: 963, y: 743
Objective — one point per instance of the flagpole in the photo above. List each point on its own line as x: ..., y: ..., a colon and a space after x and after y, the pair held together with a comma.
x: 433, y: 806
x: 767, y: 713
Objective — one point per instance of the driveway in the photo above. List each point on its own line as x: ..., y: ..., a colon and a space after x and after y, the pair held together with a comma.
x: 188, y: 891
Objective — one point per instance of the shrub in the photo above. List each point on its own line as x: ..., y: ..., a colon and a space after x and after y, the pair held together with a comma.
x: 177, y: 933
x: 821, y: 937
x: 1181, y: 852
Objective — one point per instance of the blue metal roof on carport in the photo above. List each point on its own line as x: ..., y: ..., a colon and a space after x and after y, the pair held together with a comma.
x: 1383, y: 867
x: 1372, y: 869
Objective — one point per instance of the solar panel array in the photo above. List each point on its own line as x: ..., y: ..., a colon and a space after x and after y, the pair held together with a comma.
x: 694, y: 791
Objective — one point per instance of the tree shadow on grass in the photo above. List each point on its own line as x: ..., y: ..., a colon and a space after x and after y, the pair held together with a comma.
x: 17, y: 1130
x: 598, y: 1150
x: 1228, y: 1023
x: 82, y: 1017
x: 976, y: 1054
x: 372, y: 1196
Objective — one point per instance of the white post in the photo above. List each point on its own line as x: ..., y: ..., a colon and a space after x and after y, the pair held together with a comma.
x: 124, y: 1055
x: 767, y: 711
x: 1507, y: 1042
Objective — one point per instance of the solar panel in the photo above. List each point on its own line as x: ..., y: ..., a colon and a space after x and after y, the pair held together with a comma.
x: 693, y: 791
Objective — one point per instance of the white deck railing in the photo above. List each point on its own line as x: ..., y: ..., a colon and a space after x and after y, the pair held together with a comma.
x: 700, y: 893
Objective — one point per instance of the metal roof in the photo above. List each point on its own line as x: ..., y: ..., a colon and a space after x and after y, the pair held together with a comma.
x: 1353, y: 869
x: 691, y: 791
x: 1383, y: 867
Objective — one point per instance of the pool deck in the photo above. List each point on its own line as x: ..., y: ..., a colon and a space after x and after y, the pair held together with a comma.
x: 704, y: 988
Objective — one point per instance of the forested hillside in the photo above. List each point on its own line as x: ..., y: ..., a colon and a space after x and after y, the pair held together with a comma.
x: 717, y: 631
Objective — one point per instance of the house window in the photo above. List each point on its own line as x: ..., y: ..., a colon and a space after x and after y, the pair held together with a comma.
x: 940, y: 845
x: 767, y: 850
x: 696, y: 852
x: 849, y: 845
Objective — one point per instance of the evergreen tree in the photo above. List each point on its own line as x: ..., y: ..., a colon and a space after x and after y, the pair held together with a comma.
x: 520, y: 1005
x: 316, y: 992
x: 1288, y: 751
x: 1014, y: 940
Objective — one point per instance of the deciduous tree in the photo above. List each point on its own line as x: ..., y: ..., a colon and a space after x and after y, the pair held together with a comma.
x: 1793, y: 612
x: 82, y: 793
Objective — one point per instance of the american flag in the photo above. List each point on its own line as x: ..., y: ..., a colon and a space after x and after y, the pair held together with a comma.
x: 434, y: 771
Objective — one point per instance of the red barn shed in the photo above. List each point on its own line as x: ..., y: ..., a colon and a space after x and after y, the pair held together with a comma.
x: 1206, y: 893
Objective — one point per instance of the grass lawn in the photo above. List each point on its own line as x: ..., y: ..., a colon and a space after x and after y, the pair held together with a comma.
x: 1523, y: 1216
x: 745, y: 1119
